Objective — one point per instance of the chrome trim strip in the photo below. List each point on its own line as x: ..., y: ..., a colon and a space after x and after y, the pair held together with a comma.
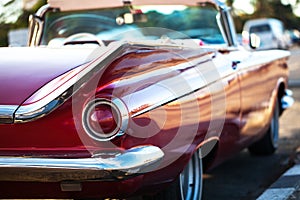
x: 57, y: 97
x: 132, y: 162
x: 7, y: 113
x: 190, y: 82
x: 124, y: 115
x: 39, y: 109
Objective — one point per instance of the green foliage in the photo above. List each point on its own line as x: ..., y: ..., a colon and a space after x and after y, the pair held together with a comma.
x: 264, y: 8
x: 269, y: 9
x: 22, y: 22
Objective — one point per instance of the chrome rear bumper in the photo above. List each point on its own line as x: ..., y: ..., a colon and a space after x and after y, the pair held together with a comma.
x: 132, y: 162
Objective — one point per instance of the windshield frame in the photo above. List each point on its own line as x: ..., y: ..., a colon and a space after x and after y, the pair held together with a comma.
x: 187, y: 22
x: 226, y: 25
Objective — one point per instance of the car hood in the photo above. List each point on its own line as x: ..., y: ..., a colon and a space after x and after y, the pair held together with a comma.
x: 23, y: 70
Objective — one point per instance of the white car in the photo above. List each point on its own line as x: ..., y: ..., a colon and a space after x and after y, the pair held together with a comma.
x: 270, y: 31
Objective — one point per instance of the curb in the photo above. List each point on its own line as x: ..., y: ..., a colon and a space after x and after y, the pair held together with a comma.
x: 287, y: 187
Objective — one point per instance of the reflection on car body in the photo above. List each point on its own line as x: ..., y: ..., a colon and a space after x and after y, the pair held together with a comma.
x: 113, y: 99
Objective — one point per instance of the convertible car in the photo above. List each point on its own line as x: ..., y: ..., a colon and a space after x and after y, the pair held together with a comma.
x: 115, y: 99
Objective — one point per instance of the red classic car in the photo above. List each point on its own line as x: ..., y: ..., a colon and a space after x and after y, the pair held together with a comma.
x: 116, y: 99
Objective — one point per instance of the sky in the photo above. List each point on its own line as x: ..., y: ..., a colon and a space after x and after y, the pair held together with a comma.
x: 244, y: 5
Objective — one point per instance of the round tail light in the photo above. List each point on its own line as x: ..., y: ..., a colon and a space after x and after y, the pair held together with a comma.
x: 103, y: 120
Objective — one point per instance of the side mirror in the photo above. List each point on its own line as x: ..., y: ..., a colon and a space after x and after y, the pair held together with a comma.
x: 254, y: 41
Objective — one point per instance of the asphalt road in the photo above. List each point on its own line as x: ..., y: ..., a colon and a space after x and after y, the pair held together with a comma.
x: 245, y: 177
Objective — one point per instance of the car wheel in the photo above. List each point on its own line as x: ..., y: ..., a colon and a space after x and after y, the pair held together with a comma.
x: 269, y: 143
x: 188, y: 186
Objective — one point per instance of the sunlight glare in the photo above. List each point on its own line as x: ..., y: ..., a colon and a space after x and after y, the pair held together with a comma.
x: 287, y: 2
x: 296, y: 9
x: 244, y: 5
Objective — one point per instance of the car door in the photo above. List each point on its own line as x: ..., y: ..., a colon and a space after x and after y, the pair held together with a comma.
x: 229, y: 135
x: 258, y: 74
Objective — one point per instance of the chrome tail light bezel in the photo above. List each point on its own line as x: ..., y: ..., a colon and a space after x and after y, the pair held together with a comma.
x: 121, y: 118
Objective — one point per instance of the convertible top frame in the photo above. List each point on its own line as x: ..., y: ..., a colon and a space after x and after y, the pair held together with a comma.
x: 36, y: 22
x: 67, y: 5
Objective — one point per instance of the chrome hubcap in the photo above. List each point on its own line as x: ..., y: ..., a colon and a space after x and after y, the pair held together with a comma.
x: 275, y: 127
x: 191, y: 179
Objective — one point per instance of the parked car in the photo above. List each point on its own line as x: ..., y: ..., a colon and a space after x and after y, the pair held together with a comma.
x: 271, y: 32
x: 116, y: 99
x: 294, y: 35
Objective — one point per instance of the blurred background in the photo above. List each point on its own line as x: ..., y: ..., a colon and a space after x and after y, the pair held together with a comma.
x: 14, y: 17
x: 14, y: 20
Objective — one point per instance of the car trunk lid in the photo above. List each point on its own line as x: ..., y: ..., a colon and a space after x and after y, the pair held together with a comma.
x: 24, y: 70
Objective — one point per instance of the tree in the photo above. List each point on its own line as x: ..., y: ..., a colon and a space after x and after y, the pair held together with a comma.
x: 14, y: 17
x: 268, y: 9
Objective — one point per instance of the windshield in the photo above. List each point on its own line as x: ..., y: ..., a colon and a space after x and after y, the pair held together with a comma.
x: 149, y: 22
x: 260, y: 28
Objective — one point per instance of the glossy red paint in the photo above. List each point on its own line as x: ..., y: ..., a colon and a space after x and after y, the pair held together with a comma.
x: 193, y: 117
x: 172, y: 98
x: 65, y: 122
x: 33, y: 68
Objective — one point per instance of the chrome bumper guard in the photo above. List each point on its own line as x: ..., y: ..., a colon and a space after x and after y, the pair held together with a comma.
x: 287, y: 100
x: 132, y: 162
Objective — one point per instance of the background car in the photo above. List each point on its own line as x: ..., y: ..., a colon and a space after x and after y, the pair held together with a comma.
x: 294, y: 35
x: 270, y: 31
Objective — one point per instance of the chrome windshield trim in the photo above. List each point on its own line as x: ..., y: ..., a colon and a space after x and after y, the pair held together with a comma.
x: 132, y: 162
x: 41, y: 12
x: 7, y: 113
